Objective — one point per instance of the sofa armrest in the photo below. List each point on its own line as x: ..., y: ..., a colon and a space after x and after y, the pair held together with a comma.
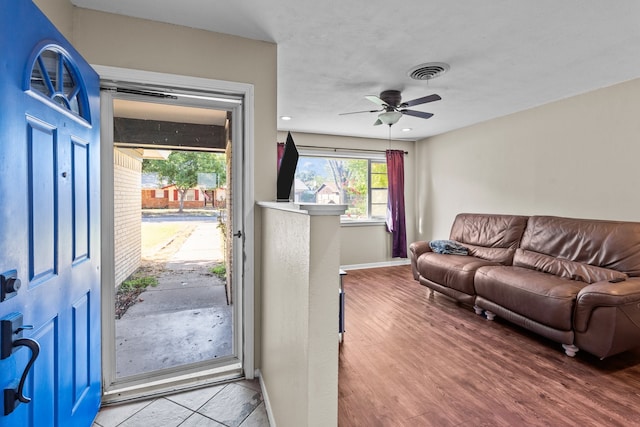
x: 417, y: 249
x: 604, y: 294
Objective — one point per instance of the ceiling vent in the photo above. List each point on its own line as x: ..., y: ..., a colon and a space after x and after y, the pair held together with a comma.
x: 428, y: 71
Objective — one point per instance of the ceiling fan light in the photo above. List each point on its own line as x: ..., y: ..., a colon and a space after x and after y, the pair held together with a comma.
x: 389, y: 117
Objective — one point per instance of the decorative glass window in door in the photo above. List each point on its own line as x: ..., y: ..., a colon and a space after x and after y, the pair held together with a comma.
x: 54, y: 77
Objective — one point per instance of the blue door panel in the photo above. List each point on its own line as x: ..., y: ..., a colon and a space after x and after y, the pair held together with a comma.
x: 80, y: 194
x: 44, y: 377
x: 49, y: 221
x: 81, y: 366
x: 42, y: 156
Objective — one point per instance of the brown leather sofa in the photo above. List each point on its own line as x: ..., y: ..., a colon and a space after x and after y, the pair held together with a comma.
x: 574, y: 281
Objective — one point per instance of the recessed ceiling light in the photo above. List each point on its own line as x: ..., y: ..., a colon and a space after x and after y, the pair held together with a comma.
x: 285, y: 117
x: 407, y: 130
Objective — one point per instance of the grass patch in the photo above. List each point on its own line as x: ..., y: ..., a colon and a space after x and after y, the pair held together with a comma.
x: 138, y: 283
x: 129, y: 291
x: 219, y: 270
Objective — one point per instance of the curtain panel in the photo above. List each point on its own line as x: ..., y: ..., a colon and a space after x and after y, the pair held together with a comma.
x: 280, y: 153
x: 395, y: 203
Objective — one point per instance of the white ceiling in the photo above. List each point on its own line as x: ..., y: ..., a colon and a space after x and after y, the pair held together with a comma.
x: 145, y: 110
x: 505, y: 55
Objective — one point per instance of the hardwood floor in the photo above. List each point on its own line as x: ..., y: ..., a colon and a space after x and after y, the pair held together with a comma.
x: 412, y: 358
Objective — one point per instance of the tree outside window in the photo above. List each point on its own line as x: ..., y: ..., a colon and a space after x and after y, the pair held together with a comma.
x: 360, y: 183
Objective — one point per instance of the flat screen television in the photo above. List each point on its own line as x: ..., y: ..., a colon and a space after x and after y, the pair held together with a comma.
x: 287, y: 170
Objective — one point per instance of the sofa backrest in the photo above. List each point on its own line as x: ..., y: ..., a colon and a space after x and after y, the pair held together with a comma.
x: 613, y: 245
x: 489, y: 236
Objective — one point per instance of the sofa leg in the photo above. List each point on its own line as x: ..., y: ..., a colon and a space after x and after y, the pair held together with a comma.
x: 570, y: 349
x: 490, y: 315
x: 478, y: 310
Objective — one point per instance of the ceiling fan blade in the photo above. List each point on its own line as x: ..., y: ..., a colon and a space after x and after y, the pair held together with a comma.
x: 423, y: 100
x: 378, y: 122
x: 358, y: 112
x: 415, y: 113
x: 376, y: 100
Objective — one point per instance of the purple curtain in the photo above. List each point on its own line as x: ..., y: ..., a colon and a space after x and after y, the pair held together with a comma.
x: 280, y: 153
x: 395, y: 203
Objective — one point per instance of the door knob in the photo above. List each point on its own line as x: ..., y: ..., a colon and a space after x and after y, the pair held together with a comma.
x: 9, y: 285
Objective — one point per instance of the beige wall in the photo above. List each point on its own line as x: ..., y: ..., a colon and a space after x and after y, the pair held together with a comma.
x: 576, y: 157
x: 369, y: 244
x: 60, y: 12
x: 300, y: 317
x: 127, y: 172
x: 118, y: 41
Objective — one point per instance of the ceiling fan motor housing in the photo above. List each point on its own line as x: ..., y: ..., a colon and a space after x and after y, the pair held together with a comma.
x: 391, y: 97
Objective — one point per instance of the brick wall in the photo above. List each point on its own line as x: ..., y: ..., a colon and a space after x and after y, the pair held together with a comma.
x: 127, y: 216
x: 171, y: 200
x: 150, y: 201
x: 229, y: 239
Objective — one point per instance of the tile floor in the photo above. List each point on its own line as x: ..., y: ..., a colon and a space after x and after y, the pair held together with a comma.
x: 237, y: 404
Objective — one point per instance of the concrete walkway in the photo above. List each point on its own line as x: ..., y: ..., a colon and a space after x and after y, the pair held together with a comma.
x: 185, y: 319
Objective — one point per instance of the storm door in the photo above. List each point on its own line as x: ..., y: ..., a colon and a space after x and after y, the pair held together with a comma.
x: 173, y: 315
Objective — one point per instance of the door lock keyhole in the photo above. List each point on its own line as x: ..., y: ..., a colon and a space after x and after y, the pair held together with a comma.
x: 12, y: 284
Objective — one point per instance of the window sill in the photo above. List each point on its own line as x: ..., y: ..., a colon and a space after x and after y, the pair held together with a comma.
x: 362, y: 223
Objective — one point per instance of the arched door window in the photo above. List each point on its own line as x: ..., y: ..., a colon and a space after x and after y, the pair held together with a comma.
x: 54, y: 76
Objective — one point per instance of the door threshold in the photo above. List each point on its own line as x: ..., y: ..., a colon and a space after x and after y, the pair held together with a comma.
x: 143, y: 389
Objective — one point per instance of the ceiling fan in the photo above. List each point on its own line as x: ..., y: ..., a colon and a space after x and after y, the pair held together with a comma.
x: 393, y: 108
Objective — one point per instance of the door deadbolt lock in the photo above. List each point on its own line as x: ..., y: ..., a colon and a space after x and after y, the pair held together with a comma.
x: 9, y: 285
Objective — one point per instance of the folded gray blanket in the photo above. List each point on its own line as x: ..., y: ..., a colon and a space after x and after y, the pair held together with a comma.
x: 450, y: 247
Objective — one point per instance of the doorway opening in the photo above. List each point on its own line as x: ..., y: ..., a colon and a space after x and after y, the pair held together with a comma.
x: 174, y: 309
x: 174, y: 305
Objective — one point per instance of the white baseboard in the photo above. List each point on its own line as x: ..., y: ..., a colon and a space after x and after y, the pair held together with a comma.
x: 376, y: 264
x: 265, y: 399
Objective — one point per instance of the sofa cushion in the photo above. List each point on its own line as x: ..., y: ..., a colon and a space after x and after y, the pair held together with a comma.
x: 543, y: 297
x: 488, y: 230
x: 500, y: 255
x: 488, y: 236
x: 565, y: 268
x: 452, y: 271
x: 614, y: 245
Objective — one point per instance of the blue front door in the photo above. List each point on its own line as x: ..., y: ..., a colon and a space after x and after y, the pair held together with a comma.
x: 49, y: 225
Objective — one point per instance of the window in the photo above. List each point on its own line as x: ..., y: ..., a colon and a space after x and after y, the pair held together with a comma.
x: 379, y: 189
x: 53, y: 77
x: 360, y: 182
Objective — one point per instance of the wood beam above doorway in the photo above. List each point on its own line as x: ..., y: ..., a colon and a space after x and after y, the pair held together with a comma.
x: 163, y: 133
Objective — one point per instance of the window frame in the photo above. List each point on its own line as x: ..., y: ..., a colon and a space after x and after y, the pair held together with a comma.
x: 371, y: 188
x: 67, y: 95
x: 346, y: 154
